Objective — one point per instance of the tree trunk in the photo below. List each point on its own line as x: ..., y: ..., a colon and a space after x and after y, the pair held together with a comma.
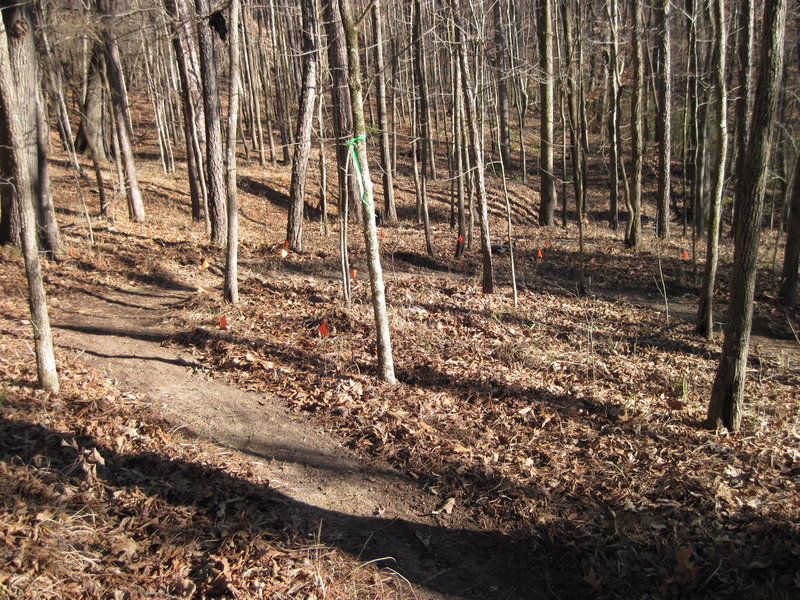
x: 184, y: 44
x: 705, y: 317
x: 787, y: 294
x: 119, y: 101
x: 727, y: 394
x: 476, y: 149
x: 305, y: 122
x: 633, y: 227
x: 501, y: 64
x: 664, y: 120
x: 13, y: 134
x: 547, y: 201
x: 613, y: 124
x: 91, y: 131
x: 744, y: 98
x: 359, y: 149
x: 215, y: 179
x: 389, y: 207
x: 231, y: 291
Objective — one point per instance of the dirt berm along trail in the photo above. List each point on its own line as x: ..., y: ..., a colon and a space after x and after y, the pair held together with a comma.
x: 366, y: 508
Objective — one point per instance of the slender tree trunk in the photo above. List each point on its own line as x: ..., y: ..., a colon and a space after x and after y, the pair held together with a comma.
x: 664, y: 122
x: 359, y: 150
x: 547, y: 202
x: 476, y: 149
x: 502, y: 74
x: 705, y: 317
x: 383, y: 118
x: 13, y: 133
x: 215, y: 179
x: 184, y: 44
x: 727, y: 394
x: 231, y: 291
x: 305, y: 122
x: 119, y: 100
x: 787, y: 294
x: 633, y: 228
x: 613, y: 114
x: 91, y: 129
x: 423, y: 130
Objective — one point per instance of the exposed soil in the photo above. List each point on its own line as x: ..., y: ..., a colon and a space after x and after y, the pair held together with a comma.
x: 355, y: 502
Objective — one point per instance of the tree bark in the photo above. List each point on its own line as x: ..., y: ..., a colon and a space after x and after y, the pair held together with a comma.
x: 547, y: 201
x: 359, y: 146
x: 727, y: 394
x: 787, y: 294
x: 633, y: 227
x: 231, y: 288
x: 389, y: 207
x: 13, y: 135
x: 305, y: 122
x: 705, y: 316
x: 664, y: 120
x: 215, y: 179
x: 119, y: 101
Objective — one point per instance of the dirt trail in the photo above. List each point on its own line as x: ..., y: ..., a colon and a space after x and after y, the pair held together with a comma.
x: 365, y: 507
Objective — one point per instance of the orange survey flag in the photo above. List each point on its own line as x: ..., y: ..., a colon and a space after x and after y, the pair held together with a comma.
x: 223, y: 322
x: 323, y: 328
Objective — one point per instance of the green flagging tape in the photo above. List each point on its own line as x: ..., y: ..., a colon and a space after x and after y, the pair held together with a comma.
x: 359, y: 168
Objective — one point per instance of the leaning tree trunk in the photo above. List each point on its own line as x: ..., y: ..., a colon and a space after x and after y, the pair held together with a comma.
x: 547, y: 202
x: 215, y: 179
x: 359, y: 151
x: 305, y: 122
x: 13, y: 133
x: 705, y: 316
x: 743, y: 104
x: 91, y: 132
x: 727, y: 394
x: 119, y: 101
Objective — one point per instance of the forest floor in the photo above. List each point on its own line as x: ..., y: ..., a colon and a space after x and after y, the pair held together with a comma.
x: 551, y: 449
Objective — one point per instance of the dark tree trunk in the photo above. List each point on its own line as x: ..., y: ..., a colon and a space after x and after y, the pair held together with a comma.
x: 664, y: 120
x: 787, y: 293
x: 727, y: 394
x: 633, y: 227
x: 383, y: 118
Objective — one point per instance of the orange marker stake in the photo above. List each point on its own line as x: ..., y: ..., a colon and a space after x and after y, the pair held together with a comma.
x: 353, y: 273
x: 547, y: 243
x: 539, y: 254
x: 204, y: 264
x: 223, y: 322
x: 685, y: 255
x: 286, y: 244
x: 323, y: 328
x: 71, y: 254
x: 460, y: 239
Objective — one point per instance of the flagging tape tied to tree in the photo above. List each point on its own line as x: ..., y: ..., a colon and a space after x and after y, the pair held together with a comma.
x: 359, y: 169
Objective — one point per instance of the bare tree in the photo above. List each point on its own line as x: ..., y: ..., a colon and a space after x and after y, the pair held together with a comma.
x: 231, y: 290
x: 705, y: 317
x: 13, y: 132
x: 215, y: 180
x: 359, y: 151
x: 383, y: 120
x: 727, y: 394
x: 633, y: 227
x: 547, y: 202
x: 305, y: 122
x: 664, y: 119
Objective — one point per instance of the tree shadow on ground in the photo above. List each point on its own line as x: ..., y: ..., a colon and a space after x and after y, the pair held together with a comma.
x: 538, y: 561
x: 275, y: 197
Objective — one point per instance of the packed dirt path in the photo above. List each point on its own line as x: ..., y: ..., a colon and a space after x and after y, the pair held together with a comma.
x: 362, y: 506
